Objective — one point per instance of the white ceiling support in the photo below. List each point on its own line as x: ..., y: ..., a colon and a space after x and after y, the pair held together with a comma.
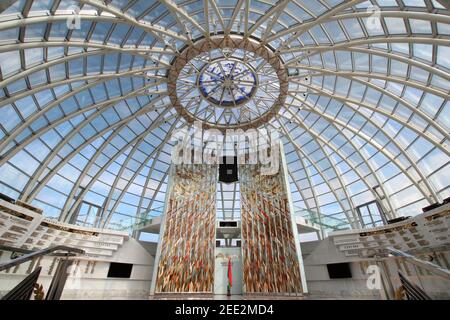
x: 342, y: 185
x: 300, y: 189
x: 431, y: 138
x: 44, y: 109
x: 273, y: 21
x: 18, y: 23
x: 392, y: 56
x: 73, y: 199
x: 390, y: 78
x: 429, y: 193
x: 124, y: 165
x: 279, y: 6
x: 301, y: 155
x: 101, y: 107
x: 173, y: 7
x: 317, y: 137
x: 297, y: 31
x: 105, y: 77
x: 217, y: 12
x: 420, y: 15
x: 363, y: 14
x: 233, y: 16
x: 29, y: 194
x: 320, y: 140
x: 138, y: 170
x: 158, y: 32
x: 429, y: 196
x: 206, y: 15
x: 184, y: 29
x: 352, y: 220
x: 346, y: 158
x: 425, y: 39
x: 76, y: 199
x: 140, y: 215
x: 7, y: 81
x: 46, y: 65
x: 143, y: 214
x: 352, y: 44
x: 246, y: 18
x: 87, y: 168
x: 136, y: 51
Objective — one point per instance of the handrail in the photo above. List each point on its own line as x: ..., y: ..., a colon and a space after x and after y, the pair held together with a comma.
x: 26, y: 251
x: 434, y: 268
x: 38, y: 253
x: 412, y: 291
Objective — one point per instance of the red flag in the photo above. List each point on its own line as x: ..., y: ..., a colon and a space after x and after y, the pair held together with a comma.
x: 230, y: 273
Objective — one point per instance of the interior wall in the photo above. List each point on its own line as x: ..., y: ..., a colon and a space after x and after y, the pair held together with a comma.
x: 318, y: 254
x: 88, y: 277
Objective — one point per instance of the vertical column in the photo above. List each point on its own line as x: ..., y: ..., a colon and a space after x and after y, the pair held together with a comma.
x: 185, y: 259
x: 271, y: 252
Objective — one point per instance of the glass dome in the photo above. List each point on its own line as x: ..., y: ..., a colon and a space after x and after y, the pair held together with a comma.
x: 90, y: 92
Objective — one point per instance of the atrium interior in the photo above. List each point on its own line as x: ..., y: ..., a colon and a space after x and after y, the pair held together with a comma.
x: 273, y: 149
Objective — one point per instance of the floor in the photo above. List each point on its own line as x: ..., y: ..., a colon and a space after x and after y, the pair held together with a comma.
x: 223, y: 297
x: 251, y: 297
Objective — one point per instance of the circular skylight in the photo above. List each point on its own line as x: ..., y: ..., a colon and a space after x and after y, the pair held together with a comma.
x: 228, y: 82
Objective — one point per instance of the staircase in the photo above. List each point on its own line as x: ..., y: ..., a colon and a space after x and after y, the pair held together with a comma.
x: 29, y: 285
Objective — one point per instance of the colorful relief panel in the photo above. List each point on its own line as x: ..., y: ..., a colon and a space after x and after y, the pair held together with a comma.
x: 186, y: 261
x: 270, y: 259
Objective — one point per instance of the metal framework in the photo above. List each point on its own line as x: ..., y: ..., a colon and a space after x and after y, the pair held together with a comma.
x: 84, y: 106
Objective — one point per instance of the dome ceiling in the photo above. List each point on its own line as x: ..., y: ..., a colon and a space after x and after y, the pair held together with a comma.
x: 90, y: 92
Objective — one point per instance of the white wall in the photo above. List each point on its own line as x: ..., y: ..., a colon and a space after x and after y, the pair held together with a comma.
x: 320, y: 253
x: 321, y: 286
x: 88, y: 278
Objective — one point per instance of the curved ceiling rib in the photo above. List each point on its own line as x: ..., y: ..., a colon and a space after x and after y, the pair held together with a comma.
x: 349, y: 102
x: 103, y: 168
x: 349, y: 126
x: 368, y: 13
x: 138, y: 51
x: 346, y: 209
x: 100, y: 108
x: 353, y: 220
x: 47, y: 65
x: 428, y: 193
x: 392, y: 56
x: 356, y: 150
x: 98, y: 153
x: 29, y: 195
x: 137, y: 171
